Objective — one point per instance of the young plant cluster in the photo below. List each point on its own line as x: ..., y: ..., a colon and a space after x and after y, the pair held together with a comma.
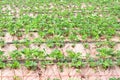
x: 31, y: 57
x: 60, y: 21
x: 70, y: 28
x: 64, y: 18
x: 114, y: 78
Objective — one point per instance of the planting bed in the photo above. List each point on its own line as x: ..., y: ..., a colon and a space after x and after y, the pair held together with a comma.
x: 59, y: 40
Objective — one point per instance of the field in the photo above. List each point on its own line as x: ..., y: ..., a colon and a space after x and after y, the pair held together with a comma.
x: 59, y: 39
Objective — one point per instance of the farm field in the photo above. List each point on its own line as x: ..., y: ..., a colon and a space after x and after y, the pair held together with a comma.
x: 59, y: 40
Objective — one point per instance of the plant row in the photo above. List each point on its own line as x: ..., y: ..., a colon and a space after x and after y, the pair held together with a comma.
x: 30, y: 58
x: 91, y: 26
x: 57, y: 42
x: 87, y: 23
x: 46, y: 6
x: 114, y: 78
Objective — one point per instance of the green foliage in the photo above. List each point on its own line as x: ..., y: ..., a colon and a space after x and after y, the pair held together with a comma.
x: 55, y: 26
x: 15, y: 64
x: 2, y: 65
x: 92, y: 63
x: 105, y: 52
x: 2, y: 43
x: 114, y: 78
x: 70, y: 22
x: 76, y: 59
x: 30, y: 65
x: 16, y: 55
x: 16, y: 78
x: 107, y: 63
x: 57, y: 54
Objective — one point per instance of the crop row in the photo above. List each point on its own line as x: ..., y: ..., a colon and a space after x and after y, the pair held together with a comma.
x: 57, y: 40
x: 114, y: 78
x: 105, y: 58
x: 57, y: 43
x: 72, y: 27
x: 36, y: 37
x: 65, y: 21
x: 46, y: 6
x: 61, y: 8
x: 88, y: 23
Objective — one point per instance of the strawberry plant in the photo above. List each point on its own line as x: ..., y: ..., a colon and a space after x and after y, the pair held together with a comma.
x: 106, y: 63
x: 56, y: 41
x: 92, y: 63
x: 1, y: 53
x: 56, y: 54
x: 76, y: 59
x: 86, y: 45
x: 14, y: 65
x: 27, y: 42
x: 17, y: 45
x: 114, y: 78
x: 16, y: 55
x: 56, y: 79
x: 2, y: 34
x: 27, y: 53
x: 98, y: 44
x: 2, y: 64
x: 72, y: 54
x: 77, y: 63
x: 38, y: 54
x: 19, y: 34
x: 117, y: 54
x: 118, y: 62
x: 16, y: 78
x: 73, y: 37
x: 105, y: 52
x: 30, y: 64
x: 111, y: 44
x: 2, y: 43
